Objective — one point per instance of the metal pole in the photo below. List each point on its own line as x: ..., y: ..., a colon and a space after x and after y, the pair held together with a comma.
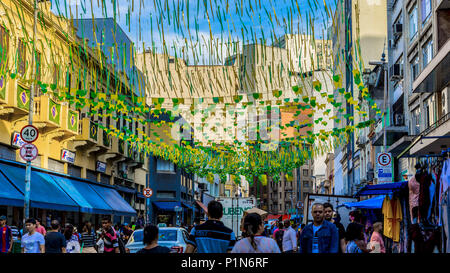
x: 385, y: 100
x: 27, y: 194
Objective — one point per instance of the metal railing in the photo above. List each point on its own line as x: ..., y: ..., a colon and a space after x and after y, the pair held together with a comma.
x: 438, y: 123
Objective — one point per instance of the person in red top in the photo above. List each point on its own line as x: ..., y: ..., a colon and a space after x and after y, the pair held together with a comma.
x: 6, y: 238
x: 377, y: 237
x: 39, y: 227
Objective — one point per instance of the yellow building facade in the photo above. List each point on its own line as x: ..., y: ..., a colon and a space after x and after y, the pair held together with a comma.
x: 70, y: 139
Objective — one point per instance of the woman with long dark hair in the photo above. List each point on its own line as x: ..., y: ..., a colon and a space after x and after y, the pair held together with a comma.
x: 72, y: 244
x: 254, y: 242
x: 355, y: 239
x: 88, y: 239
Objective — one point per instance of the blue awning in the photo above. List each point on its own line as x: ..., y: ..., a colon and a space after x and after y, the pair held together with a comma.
x: 114, y: 200
x: 168, y: 206
x: 125, y: 189
x: 45, y: 192
x: 9, y: 195
x: 385, y: 188
x: 88, y: 200
x: 186, y: 205
x: 372, y: 203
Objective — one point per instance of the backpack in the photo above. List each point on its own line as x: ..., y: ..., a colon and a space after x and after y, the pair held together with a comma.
x: 73, y: 246
x: 279, y: 238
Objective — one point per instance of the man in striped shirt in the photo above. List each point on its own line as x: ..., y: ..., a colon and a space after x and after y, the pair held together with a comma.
x: 212, y: 236
x: 109, y: 237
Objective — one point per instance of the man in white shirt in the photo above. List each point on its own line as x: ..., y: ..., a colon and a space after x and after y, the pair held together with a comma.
x: 289, y: 238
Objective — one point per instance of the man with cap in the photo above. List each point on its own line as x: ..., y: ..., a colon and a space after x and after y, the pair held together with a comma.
x: 6, y: 237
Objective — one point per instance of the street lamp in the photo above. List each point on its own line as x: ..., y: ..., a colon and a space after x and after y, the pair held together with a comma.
x: 383, y: 65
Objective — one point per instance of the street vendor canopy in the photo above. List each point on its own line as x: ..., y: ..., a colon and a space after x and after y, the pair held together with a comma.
x: 385, y: 188
x: 372, y: 203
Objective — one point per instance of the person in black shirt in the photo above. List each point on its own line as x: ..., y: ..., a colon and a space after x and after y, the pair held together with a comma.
x: 328, y: 213
x: 55, y: 242
x: 151, y: 235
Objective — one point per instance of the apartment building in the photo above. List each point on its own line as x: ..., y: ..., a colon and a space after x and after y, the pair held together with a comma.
x: 419, y: 73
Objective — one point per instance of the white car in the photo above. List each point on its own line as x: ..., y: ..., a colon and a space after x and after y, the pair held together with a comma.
x: 174, y: 238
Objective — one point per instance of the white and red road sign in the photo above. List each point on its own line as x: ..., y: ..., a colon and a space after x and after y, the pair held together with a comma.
x: 29, y: 133
x: 148, y: 192
x: 28, y: 152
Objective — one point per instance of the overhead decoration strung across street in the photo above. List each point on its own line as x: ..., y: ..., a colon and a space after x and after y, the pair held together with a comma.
x: 234, y: 88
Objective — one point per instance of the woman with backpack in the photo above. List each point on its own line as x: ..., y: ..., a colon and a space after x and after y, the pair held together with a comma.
x: 255, y: 242
x: 72, y: 244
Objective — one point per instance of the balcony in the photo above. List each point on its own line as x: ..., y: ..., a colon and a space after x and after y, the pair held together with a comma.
x: 436, y: 75
x: 14, y: 99
x: 88, y: 136
x: 393, y: 133
x: 47, y: 113
x: 431, y: 141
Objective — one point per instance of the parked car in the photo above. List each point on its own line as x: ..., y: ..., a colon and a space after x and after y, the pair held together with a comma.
x: 174, y: 238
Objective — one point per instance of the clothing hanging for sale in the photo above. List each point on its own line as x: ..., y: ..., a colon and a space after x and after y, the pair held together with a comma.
x: 392, y: 212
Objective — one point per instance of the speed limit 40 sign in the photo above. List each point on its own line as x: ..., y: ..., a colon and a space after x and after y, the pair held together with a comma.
x: 29, y: 133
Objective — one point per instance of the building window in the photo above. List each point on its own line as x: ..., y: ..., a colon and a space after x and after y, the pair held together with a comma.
x: 164, y: 166
x: 413, y: 23
x: 165, y: 194
x: 305, y: 184
x: 55, y: 74
x: 426, y: 10
x: 38, y: 72
x: 4, y: 46
x: 414, y: 68
x: 415, y: 121
x: 305, y: 172
x: 280, y: 207
x: 280, y: 195
x: 427, y: 52
x: 21, y: 58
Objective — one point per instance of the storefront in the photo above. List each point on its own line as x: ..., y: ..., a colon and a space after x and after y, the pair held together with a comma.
x: 58, y: 196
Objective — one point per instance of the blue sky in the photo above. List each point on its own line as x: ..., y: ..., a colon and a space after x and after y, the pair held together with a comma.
x: 209, y: 22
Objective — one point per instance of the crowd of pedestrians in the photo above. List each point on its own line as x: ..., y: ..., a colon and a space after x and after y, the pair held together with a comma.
x: 35, y: 238
x: 324, y: 235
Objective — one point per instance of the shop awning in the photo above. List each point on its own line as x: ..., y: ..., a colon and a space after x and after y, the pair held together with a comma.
x: 9, y: 195
x: 205, y: 208
x: 372, y: 203
x: 272, y: 216
x: 114, y: 200
x: 88, y: 200
x: 45, y: 192
x: 125, y: 189
x: 167, y: 206
x: 186, y: 205
x: 385, y: 188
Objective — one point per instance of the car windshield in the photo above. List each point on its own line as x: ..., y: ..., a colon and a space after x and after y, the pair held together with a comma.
x: 138, y: 236
x: 167, y: 235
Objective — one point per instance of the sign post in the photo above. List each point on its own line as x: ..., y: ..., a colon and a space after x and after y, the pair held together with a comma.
x: 148, y: 192
x: 28, y: 152
x: 384, y: 168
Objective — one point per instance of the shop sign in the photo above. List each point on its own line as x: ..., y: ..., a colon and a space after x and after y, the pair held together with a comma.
x: 16, y: 140
x: 68, y: 156
x: 101, y: 167
x: 384, y: 167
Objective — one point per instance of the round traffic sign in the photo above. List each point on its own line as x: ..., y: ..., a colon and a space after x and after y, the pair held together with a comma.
x: 29, y: 133
x: 384, y: 159
x: 28, y: 152
x: 148, y: 192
